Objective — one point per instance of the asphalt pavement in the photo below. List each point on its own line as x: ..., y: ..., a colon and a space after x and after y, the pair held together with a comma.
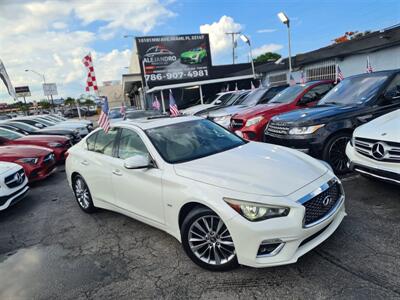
x: 50, y: 249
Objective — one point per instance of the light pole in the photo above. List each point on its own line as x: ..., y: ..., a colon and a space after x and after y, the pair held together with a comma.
x: 233, y: 35
x: 247, y: 41
x: 285, y: 20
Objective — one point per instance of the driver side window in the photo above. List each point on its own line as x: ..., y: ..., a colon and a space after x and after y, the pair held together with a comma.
x: 393, y: 90
x: 130, y: 144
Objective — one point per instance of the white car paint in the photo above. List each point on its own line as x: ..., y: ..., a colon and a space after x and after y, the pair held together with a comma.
x: 196, y: 108
x: 384, y: 131
x: 254, y: 172
x: 13, y: 184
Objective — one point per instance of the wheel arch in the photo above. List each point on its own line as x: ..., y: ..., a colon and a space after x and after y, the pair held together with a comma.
x: 186, y: 209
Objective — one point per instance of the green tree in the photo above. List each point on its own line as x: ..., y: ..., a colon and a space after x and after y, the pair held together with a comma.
x: 266, y: 57
x: 88, y: 102
x: 44, y: 104
x: 69, y: 101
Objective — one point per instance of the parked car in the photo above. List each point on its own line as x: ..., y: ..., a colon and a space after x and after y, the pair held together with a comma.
x: 325, y: 130
x: 73, y: 112
x: 182, y: 175
x: 220, y: 99
x: 60, y: 119
x: 27, y: 129
x: 137, y: 114
x: 13, y: 184
x: 193, y: 56
x: 46, y: 120
x: 58, y: 144
x: 38, y: 162
x: 250, y: 123
x: 374, y: 149
x: 255, y: 98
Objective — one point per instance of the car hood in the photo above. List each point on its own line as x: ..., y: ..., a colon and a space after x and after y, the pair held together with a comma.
x: 7, y: 166
x: 226, y: 111
x: 262, y: 109
x: 43, y: 139
x: 386, y: 127
x: 18, y: 151
x: 255, y: 168
x: 194, y: 109
x: 318, y: 114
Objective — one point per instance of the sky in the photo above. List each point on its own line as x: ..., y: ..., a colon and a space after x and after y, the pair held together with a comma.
x: 52, y: 37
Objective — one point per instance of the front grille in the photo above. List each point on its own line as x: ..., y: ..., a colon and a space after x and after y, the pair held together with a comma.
x: 320, y: 205
x: 367, y: 147
x: 15, y: 179
x: 277, y: 128
x: 236, y: 123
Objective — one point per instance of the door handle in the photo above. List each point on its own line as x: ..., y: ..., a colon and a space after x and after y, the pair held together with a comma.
x: 117, y: 172
x: 84, y: 162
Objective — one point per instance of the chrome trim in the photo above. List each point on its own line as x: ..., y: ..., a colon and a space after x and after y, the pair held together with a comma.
x: 376, y: 176
x: 276, y: 250
x: 368, y: 152
x: 328, y: 215
x: 319, y: 190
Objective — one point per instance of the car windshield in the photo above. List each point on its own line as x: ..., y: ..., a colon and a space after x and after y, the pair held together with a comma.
x: 354, y: 90
x: 24, y: 126
x: 254, y: 96
x: 233, y: 99
x: 10, y: 135
x: 289, y: 94
x: 223, y: 98
x: 45, y: 122
x: 192, y: 140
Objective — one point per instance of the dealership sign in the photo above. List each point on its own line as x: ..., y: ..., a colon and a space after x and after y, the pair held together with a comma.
x: 174, y: 58
x: 22, y: 91
x: 50, y: 89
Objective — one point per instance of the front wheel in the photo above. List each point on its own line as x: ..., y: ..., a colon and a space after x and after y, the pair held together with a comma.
x: 82, y: 194
x: 335, y: 152
x: 207, y: 241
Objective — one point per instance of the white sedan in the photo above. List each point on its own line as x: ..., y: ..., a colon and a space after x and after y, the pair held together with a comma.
x: 13, y: 184
x: 227, y: 200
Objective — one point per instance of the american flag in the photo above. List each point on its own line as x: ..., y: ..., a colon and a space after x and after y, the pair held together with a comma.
x: 91, y: 77
x: 302, y: 78
x: 122, y: 111
x: 339, y: 74
x: 104, y: 122
x: 156, y: 104
x: 369, y: 67
x: 173, y: 109
x: 291, y: 80
x: 252, y: 86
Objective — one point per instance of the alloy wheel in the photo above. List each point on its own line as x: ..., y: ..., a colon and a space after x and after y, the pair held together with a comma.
x: 337, y: 154
x: 82, y: 193
x: 210, y: 240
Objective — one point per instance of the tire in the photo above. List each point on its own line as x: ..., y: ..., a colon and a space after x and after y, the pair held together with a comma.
x: 82, y: 194
x: 335, y: 152
x: 209, y: 246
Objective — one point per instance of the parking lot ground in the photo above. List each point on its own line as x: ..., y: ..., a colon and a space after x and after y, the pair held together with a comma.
x: 50, y: 249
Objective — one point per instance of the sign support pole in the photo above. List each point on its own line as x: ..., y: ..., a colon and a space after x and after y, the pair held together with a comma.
x: 201, y: 94
x: 162, y: 101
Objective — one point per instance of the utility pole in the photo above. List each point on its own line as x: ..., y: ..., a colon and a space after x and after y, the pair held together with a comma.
x: 233, y: 35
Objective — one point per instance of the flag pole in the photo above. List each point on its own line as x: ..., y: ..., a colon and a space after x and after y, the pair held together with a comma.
x: 162, y: 101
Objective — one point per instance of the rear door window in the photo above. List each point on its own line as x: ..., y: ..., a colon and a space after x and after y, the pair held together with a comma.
x: 105, y: 142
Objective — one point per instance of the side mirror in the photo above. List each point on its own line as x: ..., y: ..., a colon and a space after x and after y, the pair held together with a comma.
x: 218, y: 102
x: 140, y: 161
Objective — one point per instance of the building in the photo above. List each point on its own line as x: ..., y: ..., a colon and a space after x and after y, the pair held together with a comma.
x: 113, y: 91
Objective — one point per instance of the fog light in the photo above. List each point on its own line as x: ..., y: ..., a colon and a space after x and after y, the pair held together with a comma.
x: 270, y: 248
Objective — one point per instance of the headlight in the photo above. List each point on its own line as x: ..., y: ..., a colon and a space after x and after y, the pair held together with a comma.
x: 28, y: 160
x: 305, y: 130
x: 221, y: 119
x: 54, y: 145
x: 256, y: 211
x: 254, y: 121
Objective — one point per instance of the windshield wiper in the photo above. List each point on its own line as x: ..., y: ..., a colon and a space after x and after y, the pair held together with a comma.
x: 333, y: 102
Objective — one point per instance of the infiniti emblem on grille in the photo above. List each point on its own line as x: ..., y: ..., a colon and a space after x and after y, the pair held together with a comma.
x: 327, y: 200
x: 18, y: 178
x: 378, y: 150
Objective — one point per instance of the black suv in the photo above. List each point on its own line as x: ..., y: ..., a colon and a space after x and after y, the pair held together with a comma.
x: 324, y: 130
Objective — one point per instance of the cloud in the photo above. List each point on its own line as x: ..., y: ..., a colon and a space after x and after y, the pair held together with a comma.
x: 266, y: 48
x: 266, y: 30
x: 220, y: 42
x: 36, y: 35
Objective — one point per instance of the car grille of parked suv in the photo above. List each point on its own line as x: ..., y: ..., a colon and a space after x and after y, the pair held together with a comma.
x: 378, y: 150
x: 236, y: 123
x: 15, y: 179
x: 320, y: 205
x: 277, y: 128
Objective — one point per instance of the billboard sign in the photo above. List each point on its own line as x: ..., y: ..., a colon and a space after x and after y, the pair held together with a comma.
x: 22, y: 91
x: 174, y: 58
x: 50, y: 89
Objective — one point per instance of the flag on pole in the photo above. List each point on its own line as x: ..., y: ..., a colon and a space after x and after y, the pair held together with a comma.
x: 122, y: 111
x: 302, y: 78
x: 252, y: 86
x: 236, y: 88
x: 104, y: 122
x: 339, y: 73
x: 7, y: 82
x: 291, y: 80
x: 91, y: 82
x: 156, y: 104
x: 173, y: 108
x: 369, y: 67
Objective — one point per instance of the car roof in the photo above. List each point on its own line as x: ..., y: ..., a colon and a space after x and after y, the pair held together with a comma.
x: 153, y: 122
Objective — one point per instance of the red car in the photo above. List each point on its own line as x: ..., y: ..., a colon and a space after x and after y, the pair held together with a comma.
x: 59, y: 144
x: 251, y: 122
x: 38, y: 162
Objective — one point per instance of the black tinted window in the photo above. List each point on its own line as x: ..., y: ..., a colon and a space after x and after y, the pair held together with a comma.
x: 393, y: 90
x: 130, y: 144
x: 105, y: 142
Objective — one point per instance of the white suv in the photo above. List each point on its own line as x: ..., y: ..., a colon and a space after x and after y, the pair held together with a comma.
x: 13, y: 184
x: 374, y: 150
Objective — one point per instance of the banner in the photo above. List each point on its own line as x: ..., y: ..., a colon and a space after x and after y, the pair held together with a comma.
x: 7, y: 82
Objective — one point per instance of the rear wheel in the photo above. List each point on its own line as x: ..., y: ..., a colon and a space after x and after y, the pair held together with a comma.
x: 207, y: 241
x: 82, y: 194
x: 335, y: 152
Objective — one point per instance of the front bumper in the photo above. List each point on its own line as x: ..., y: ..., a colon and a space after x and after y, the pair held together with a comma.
x: 387, y: 171
x: 13, y: 198
x: 309, y: 143
x: 295, y: 239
